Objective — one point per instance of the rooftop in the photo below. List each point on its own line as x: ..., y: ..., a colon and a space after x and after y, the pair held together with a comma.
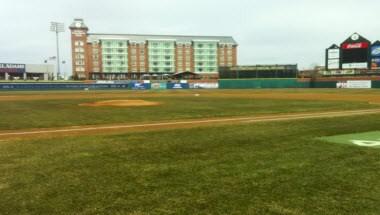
x: 146, y: 37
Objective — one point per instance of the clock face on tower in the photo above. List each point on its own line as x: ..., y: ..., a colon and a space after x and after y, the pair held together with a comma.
x: 355, y: 37
x: 78, y: 24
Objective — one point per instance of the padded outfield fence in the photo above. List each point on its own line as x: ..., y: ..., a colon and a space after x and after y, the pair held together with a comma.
x: 107, y: 86
x: 281, y: 83
x: 223, y: 84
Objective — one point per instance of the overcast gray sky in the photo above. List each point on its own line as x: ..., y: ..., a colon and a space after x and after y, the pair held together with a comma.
x: 268, y: 32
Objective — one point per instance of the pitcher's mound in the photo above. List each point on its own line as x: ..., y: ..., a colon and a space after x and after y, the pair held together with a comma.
x: 120, y: 103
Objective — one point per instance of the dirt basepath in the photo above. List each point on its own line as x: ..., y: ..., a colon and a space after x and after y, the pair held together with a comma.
x: 122, y: 128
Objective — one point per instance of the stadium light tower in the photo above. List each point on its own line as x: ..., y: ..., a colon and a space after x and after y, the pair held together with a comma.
x: 57, y: 28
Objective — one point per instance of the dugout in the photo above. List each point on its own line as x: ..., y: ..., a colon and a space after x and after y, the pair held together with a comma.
x: 259, y: 71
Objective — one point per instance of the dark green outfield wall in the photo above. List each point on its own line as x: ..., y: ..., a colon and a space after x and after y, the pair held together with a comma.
x: 273, y: 83
x: 261, y: 83
x: 375, y: 84
x: 323, y: 84
x: 278, y: 83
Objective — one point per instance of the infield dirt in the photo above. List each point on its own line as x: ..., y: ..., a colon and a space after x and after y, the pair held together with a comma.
x: 120, y: 103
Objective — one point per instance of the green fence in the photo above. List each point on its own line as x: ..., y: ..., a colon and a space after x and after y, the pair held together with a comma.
x: 260, y: 83
x: 323, y: 84
x: 375, y: 84
x: 279, y: 83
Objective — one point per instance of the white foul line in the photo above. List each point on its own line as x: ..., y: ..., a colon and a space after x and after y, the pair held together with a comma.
x: 241, y: 119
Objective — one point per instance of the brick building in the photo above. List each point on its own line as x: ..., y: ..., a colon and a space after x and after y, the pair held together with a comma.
x: 130, y: 56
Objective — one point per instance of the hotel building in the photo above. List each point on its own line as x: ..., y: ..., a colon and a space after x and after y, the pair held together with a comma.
x: 130, y: 56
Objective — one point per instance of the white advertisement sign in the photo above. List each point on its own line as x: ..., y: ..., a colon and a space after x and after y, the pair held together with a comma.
x: 204, y: 85
x: 105, y: 82
x: 355, y: 84
x: 333, y: 54
x: 355, y: 65
x: 333, y: 64
x: 359, y: 84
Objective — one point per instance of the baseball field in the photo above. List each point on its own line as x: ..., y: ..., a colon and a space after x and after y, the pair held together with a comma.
x: 295, y: 151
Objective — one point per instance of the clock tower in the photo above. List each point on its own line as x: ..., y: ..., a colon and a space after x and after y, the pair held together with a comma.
x: 79, y: 49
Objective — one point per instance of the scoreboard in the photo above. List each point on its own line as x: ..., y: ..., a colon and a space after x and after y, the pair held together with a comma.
x: 355, y: 53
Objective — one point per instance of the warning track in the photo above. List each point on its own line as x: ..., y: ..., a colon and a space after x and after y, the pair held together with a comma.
x: 102, y: 129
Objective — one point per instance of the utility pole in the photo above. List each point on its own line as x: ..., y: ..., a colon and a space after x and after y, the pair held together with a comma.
x: 57, y: 28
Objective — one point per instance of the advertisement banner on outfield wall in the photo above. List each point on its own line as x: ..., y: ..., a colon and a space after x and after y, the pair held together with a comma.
x: 204, y: 85
x: 355, y: 84
x: 177, y: 86
x: 158, y: 86
x: 140, y: 86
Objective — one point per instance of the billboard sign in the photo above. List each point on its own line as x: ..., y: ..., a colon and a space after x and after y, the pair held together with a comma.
x: 12, y: 68
x: 362, y: 45
x: 178, y: 86
x: 355, y: 65
x: 359, y: 84
x: 333, y: 63
x: 375, y: 51
x: 333, y: 54
x: 375, y: 63
x: 140, y: 86
x: 159, y: 86
x: 204, y: 85
x: 355, y: 84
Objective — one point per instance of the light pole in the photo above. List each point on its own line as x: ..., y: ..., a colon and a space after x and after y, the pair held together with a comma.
x: 51, y: 75
x: 64, y: 69
x: 57, y: 28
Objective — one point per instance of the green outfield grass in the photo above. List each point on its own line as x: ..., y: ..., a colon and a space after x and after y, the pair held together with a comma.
x: 261, y: 168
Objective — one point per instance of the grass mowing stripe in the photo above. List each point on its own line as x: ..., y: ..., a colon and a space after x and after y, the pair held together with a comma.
x: 241, y: 119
